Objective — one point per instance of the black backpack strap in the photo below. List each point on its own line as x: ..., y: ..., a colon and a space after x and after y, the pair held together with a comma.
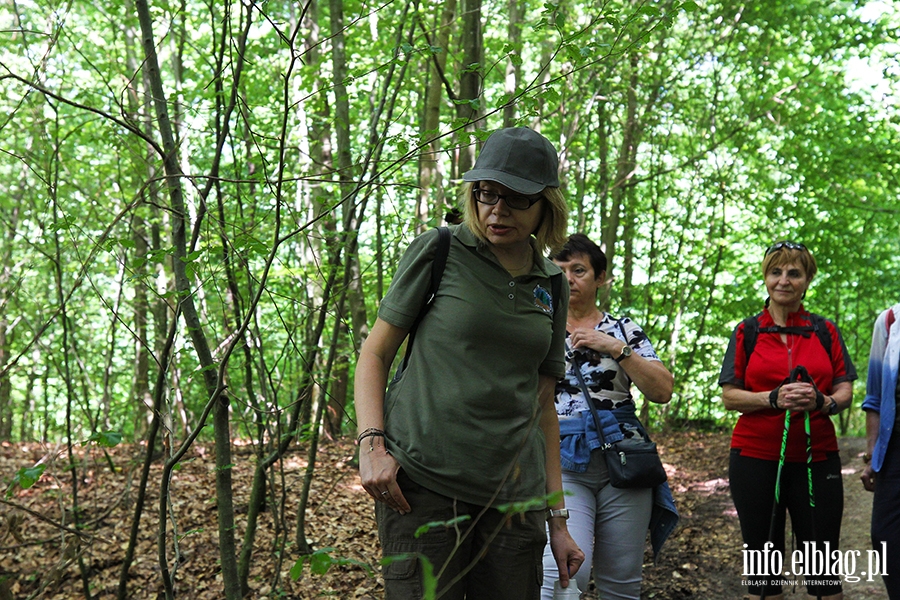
x: 555, y: 291
x: 818, y: 325
x: 821, y: 328
x: 751, y: 332
x: 437, y: 272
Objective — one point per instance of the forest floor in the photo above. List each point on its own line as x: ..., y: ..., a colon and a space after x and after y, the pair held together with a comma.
x: 702, y: 559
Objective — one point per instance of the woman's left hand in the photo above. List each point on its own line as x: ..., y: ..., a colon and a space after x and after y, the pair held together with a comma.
x: 568, y: 555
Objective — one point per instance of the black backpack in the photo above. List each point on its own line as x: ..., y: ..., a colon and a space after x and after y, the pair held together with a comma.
x: 817, y: 325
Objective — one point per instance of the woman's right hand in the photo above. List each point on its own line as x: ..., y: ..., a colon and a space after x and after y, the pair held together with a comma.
x: 377, y: 468
x: 797, y: 396
x: 378, y: 473
x: 868, y: 478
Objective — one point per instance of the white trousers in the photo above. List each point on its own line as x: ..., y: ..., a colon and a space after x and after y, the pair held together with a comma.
x: 610, y: 526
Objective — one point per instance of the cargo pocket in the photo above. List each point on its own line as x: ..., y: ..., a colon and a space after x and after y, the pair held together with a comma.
x: 539, y: 580
x: 401, y: 577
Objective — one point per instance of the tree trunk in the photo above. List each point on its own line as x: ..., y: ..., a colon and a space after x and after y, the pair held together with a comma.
x: 513, y: 70
x: 625, y: 165
x: 222, y: 431
x: 469, y: 106
x: 432, y: 197
x: 6, y: 413
x: 6, y: 276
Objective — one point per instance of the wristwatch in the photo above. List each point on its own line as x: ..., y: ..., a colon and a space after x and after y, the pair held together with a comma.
x: 557, y: 512
x: 867, y: 458
x: 626, y: 352
x: 833, y: 407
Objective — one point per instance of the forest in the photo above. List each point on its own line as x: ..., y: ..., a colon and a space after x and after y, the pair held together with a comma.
x: 202, y: 204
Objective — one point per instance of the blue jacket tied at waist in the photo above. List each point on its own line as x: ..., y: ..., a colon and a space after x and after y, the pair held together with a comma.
x: 578, y: 438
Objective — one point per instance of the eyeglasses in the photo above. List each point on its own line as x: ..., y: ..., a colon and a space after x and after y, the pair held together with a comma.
x: 516, y: 202
x: 789, y: 245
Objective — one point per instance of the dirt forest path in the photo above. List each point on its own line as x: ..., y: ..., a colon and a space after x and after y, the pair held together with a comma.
x: 701, y: 560
x: 703, y: 557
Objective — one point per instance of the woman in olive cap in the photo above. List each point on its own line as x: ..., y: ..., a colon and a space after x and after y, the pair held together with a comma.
x: 469, y: 429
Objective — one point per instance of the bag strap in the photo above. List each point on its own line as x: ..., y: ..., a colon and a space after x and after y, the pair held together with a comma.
x: 610, y: 420
x: 437, y: 273
x: 555, y: 291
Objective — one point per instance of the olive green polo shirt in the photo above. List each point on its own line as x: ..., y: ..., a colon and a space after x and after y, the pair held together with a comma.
x: 463, y: 420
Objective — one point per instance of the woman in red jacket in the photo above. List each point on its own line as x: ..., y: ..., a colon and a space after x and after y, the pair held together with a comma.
x: 787, y: 369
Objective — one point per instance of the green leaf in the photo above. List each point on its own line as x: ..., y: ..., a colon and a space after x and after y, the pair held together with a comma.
x: 192, y: 256
x: 321, y: 561
x: 191, y: 532
x: 25, y: 478
x: 537, y: 503
x: 106, y: 439
x: 29, y: 476
x: 451, y: 523
x: 297, y: 569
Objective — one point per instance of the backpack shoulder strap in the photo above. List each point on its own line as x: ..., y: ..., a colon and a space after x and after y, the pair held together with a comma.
x: 438, y: 263
x: 437, y: 266
x: 752, y: 329
x: 822, y: 331
x: 751, y: 332
x: 555, y: 290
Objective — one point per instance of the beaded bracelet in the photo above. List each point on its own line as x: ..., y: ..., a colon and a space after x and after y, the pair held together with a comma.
x: 371, y: 432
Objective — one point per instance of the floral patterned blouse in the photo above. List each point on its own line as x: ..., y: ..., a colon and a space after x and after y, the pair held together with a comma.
x: 609, y: 385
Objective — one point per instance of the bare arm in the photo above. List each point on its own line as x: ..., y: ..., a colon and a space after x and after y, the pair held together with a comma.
x: 651, y: 377
x: 873, y: 422
x: 568, y: 556
x: 377, y: 469
x: 796, y: 397
x: 739, y: 399
x: 842, y: 394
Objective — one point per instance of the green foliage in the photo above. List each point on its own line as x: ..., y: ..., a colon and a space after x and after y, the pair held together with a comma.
x: 321, y: 561
x: 25, y: 478
x: 524, y: 506
x: 423, y: 529
x: 692, y: 135
x: 105, y: 439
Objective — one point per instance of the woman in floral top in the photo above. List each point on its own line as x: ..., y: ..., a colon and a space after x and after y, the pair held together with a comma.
x: 609, y: 524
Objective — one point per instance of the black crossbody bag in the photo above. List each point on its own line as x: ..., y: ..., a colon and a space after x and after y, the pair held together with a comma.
x: 632, y: 462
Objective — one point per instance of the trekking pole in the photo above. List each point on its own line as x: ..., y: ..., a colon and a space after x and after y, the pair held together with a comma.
x: 809, y: 477
x: 784, y: 438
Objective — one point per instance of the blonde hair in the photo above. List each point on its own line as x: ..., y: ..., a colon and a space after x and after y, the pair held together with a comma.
x: 551, y: 232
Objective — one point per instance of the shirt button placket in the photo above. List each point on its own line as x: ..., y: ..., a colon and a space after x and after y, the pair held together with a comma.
x: 512, y: 295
